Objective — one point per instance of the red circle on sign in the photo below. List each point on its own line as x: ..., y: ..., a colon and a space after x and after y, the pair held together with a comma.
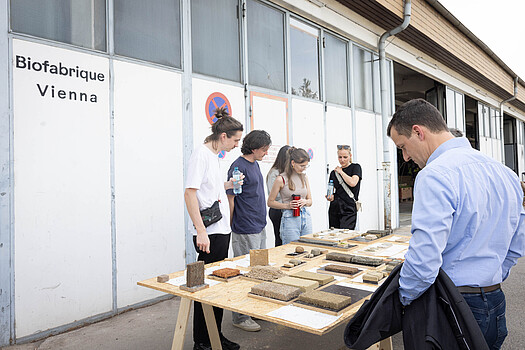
x: 214, y: 101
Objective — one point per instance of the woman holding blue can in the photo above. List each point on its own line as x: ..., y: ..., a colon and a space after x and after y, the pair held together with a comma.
x: 293, y: 187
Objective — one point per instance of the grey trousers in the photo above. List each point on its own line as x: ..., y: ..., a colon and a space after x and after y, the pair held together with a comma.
x: 241, y: 244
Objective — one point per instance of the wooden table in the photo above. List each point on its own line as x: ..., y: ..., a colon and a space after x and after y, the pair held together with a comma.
x: 233, y: 296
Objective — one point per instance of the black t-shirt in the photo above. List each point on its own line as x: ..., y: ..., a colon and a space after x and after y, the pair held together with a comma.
x: 340, y: 193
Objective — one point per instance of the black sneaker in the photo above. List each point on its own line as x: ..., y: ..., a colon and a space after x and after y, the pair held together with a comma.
x: 201, y: 346
x: 228, y: 344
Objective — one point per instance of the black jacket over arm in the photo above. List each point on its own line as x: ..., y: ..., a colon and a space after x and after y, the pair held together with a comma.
x: 438, y: 319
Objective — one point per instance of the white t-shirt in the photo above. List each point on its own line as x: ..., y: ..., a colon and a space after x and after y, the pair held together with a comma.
x: 205, y: 175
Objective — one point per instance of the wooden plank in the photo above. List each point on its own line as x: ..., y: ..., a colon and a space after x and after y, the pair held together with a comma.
x: 182, y: 323
x: 211, y: 324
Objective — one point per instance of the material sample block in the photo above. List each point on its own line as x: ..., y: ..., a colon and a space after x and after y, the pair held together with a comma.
x: 265, y: 273
x: 326, y: 300
x: 304, y: 285
x: 163, y: 278
x: 349, y: 270
x: 373, y: 276
x: 299, y: 249
x: 320, y: 278
x: 259, y: 257
x: 276, y: 291
x: 226, y: 272
x: 195, y: 274
x: 339, y: 257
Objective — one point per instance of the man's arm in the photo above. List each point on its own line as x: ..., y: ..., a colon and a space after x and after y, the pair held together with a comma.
x: 192, y: 204
x: 231, y: 202
x: 516, y: 249
x: 434, y: 206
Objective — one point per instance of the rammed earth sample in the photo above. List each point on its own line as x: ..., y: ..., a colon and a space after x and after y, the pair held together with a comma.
x: 322, y: 279
x: 276, y: 291
x: 354, y: 259
x: 305, y: 285
x: 265, y: 273
x: 326, y: 300
x: 349, y: 270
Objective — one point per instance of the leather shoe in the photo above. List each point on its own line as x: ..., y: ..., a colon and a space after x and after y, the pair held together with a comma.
x: 228, y: 344
x: 201, y: 346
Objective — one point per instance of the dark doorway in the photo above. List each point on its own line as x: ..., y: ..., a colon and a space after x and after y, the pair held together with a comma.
x: 471, y: 121
x: 509, y: 141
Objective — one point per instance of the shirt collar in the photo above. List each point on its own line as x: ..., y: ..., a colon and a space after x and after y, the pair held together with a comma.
x: 456, y: 142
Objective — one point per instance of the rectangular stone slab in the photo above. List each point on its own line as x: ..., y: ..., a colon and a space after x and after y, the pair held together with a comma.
x: 339, y: 257
x: 195, y: 274
x: 342, y: 269
x: 326, y: 300
x: 322, y: 279
x: 276, y: 291
x: 304, y: 285
x: 226, y: 272
x: 259, y: 257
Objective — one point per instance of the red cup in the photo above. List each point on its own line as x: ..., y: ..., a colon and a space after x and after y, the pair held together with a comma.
x: 297, y: 210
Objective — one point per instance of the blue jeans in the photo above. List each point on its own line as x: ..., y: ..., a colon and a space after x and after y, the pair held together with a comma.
x: 489, y: 312
x: 293, y: 227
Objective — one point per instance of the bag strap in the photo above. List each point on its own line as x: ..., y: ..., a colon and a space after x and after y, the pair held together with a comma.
x: 344, y: 185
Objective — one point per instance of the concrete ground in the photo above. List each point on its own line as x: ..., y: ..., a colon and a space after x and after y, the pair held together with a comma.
x: 152, y: 327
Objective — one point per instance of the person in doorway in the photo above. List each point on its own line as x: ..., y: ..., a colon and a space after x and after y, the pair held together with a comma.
x: 467, y: 217
x: 347, y: 183
x: 275, y: 214
x: 293, y: 182
x: 248, y: 209
x: 204, y: 186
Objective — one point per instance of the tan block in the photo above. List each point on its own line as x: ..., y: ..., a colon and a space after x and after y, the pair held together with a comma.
x: 276, y: 291
x: 304, y: 285
x: 320, y: 278
x: 259, y: 257
x: 325, y: 299
x: 163, y: 278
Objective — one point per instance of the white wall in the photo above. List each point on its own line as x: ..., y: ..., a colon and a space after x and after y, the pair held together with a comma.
x: 62, y: 192
x: 308, y: 133
x: 149, y: 205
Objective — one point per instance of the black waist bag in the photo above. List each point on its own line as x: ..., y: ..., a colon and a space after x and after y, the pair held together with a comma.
x: 211, y: 215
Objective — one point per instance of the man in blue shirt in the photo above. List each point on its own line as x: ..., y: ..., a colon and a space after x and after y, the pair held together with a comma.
x: 248, y: 209
x: 467, y: 217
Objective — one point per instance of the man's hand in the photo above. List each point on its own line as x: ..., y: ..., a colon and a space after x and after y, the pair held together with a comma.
x: 203, y: 242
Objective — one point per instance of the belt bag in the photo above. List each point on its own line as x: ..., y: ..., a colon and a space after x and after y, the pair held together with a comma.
x: 211, y: 215
x: 358, y: 204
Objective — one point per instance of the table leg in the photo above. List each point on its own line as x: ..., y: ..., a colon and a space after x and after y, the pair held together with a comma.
x: 182, y: 323
x: 385, y: 344
x: 211, y: 324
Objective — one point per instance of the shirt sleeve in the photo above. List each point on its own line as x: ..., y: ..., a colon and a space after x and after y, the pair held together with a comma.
x: 434, y: 207
x: 197, y: 167
x: 516, y: 249
x: 272, y: 175
x: 358, y: 171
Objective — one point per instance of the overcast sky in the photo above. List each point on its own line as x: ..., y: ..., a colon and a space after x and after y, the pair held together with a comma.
x: 499, y: 24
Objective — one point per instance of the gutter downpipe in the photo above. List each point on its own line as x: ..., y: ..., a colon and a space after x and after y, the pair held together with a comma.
x: 501, y: 116
x: 385, y: 98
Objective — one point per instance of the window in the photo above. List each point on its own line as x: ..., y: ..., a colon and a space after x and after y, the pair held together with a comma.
x: 493, y: 124
x: 336, y: 70
x: 304, y: 52
x: 363, y: 78
x: 80, y: 22
x: 215, y: 38
x: 455, y: 110
x: 148, y: 31
x: 265, y: 46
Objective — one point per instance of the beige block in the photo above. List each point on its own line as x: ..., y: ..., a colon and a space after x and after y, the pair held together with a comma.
x: 304, y: 285
x: 276, y: 291
x: 320, y: 278
x: 259, y: 257
x: 325, y: 299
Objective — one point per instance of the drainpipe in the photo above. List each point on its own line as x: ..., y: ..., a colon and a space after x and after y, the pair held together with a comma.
x: 501, y: 116
x: 385, y: 100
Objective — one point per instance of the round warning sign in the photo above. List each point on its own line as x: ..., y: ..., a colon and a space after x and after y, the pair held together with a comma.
x: 310, y: 153
x: 214, y: 101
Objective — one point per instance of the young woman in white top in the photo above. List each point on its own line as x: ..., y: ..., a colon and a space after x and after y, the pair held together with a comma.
x: 293, y: 181
x: 204, y: 186
x: 275, y: 214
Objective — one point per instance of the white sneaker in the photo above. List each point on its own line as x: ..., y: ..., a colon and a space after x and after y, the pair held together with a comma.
x: 248, y: 325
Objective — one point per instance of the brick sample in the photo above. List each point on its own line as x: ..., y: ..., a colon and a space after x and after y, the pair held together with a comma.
x: 226, y: 272
x: 259, y: 257
x: 304, y: 285
x: 195, y: 274
x: 276, y: 291
x: 163, y: 278
x: 322, y: 279
x: 325, y: 300
x: 349, y: 270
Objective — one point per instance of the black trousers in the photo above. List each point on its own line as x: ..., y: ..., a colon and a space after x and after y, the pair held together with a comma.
x: 275, y: 215
x: 342, y: 214
x: 219, y: 245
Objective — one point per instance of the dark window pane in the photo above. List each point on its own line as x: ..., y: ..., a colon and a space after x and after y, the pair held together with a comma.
x: 80, y: 22
x: 336, y: 70
x: 363, y: 78
x: 148, y: 30
x: 215, y: 38
x: 304, y: 59
x: 265, y: 46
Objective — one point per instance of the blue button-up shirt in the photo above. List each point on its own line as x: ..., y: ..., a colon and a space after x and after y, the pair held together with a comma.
x: 467, y: 219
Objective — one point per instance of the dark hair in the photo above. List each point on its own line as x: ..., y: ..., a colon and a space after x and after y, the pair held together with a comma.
x: 298, y: 155
x: 416, y: 112
x: 280, y: 161
x: 455, y: 132
x: 254, y: 140
x: 224, y: 123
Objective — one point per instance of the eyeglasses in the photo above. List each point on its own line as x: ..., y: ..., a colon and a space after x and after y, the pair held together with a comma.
x: 305, y: 166
x: 340, y: 147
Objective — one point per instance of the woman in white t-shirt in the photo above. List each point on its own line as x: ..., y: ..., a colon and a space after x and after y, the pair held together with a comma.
x: 204, y: 186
